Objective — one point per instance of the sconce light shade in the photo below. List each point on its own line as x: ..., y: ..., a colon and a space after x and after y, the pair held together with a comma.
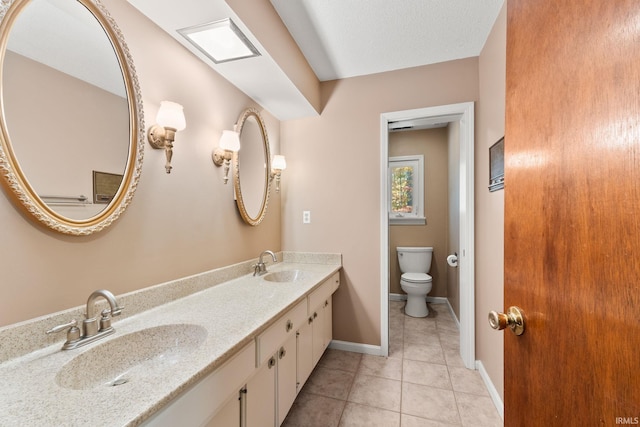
x: 171, y: 115
x: 230, y: 140
x: 279, y: 162
x: 169, y: 120
x: 222, y: 155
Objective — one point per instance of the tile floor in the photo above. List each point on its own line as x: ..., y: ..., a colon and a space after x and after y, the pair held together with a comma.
x: 423, y: 382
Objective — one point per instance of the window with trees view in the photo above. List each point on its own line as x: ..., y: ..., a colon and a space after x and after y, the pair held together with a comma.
x: 406, y: 190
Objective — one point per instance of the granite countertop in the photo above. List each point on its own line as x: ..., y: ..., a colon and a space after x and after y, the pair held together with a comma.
x: 232, y: 313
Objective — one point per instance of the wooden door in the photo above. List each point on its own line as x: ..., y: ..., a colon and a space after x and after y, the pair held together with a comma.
x: 572, y: 212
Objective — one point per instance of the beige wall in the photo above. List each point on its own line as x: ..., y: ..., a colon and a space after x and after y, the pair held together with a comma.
x: 432, y: 143
x: 176, y: 225
x: 490, y: 206
x: 334, y: 171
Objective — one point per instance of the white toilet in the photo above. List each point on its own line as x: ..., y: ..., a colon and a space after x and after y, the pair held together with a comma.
x: 415, y: 263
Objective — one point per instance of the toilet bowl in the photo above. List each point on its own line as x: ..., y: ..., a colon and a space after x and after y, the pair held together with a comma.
x: 415, y: 263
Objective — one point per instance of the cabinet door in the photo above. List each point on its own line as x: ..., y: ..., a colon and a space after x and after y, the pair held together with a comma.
x: 228, y: 416
x: 287, y: 380
x: 327, y: 322
x: 318, y: 334
x: 261, y: 396
x: 304, y: 353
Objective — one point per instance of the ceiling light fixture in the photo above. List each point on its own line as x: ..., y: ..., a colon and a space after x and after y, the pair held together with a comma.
x: 221, y: 41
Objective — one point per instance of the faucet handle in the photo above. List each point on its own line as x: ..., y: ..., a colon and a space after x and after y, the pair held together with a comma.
x: 73, y: 332
x: 105, y: 320
x: 62, y: 327
x: 116, y: 312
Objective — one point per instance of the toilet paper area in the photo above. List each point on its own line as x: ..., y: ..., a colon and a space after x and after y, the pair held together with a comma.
x: 452, y: 260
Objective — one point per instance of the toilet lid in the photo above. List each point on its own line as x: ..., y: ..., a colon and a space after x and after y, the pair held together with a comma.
x: 416, y: 277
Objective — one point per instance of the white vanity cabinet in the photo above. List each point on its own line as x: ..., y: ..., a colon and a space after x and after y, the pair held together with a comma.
x: 229, y: 414
x: 287, y: 385
x: 258, y: 385
x: 304, y: 347
x: 213, y: 400
x: 271, y: 392
x: 320, y: 316
x: 315, y: 335
x: 260, y: 403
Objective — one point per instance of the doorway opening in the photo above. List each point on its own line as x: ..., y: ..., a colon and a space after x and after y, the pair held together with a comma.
x: 463, y: 114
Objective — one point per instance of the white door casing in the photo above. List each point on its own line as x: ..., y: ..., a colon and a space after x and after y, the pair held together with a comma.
x: 464, y: 113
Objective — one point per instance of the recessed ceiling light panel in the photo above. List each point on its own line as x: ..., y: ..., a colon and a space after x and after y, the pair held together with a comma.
x: 222, y: 41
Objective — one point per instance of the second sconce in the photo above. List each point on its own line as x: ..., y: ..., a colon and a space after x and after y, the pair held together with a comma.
x: 229, y: 143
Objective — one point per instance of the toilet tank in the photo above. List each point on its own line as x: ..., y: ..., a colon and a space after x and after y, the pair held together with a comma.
x: 414, y: 259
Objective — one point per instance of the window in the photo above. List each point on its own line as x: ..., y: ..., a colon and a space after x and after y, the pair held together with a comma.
x: 406, y: 182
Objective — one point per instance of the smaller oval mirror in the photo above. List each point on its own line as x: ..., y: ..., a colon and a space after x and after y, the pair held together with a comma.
x: 251, y: 167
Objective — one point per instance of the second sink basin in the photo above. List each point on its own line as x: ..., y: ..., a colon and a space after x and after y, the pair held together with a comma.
x: 284, y: 276
x: 131, y: 357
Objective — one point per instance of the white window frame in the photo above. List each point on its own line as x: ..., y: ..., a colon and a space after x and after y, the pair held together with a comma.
x: 417, y: 217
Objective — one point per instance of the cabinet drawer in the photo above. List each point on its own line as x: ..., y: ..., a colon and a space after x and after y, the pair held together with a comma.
x: 320, y: 295
x: 269, y: 341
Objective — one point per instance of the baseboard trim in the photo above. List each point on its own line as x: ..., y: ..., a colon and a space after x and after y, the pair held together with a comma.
x: 493, y: 393
x: 374, y: 350
x: 397, y: 297
x: 453, y: 314
x: 433, y: 300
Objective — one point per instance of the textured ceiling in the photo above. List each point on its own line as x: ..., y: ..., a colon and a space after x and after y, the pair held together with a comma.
x: 339, y: 38
x: 347, y: 38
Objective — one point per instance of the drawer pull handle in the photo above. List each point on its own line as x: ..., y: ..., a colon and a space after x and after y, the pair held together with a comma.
x: 289, y: 326
x: 272, y: 362
x: 310, y: 320
x: 315, y: 314
x: 282, y: 353
x: 326, y: 303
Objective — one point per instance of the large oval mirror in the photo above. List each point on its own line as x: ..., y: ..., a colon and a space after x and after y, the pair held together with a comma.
x: 252, y: 165
x: 71, y: 127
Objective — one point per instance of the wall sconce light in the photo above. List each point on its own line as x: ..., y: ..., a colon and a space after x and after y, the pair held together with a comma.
x: 229, y: 143
x: 278, y: 164
x: 170, y: 119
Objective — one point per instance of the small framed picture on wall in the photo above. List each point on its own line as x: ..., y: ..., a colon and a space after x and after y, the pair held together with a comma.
x: 496, y: 166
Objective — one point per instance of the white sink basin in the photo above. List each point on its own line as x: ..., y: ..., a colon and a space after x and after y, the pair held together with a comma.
x: 284, y: 276
x: 132, y: 357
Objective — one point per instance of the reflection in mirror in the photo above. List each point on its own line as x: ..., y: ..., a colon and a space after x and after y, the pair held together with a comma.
x: 252, y: 168
x: 70, y: 107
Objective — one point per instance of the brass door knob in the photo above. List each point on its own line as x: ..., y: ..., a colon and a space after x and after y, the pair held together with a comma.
x: 513, y: 318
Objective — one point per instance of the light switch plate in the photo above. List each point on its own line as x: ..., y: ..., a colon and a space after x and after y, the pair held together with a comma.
x: 306, y: 217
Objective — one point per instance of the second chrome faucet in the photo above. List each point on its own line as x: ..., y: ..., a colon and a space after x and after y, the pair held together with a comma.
x: 260, y: 268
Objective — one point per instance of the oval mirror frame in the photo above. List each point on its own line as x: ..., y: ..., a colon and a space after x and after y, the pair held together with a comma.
x: 14, y: 178
x: 246, y: 216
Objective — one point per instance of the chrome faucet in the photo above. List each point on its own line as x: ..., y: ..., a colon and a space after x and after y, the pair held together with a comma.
x: 90, y: 323
x: 260, y: 268
x: 90, y: 330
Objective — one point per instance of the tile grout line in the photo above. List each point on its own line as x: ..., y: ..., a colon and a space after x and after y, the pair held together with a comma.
x: 402, y: 368
x: 346, y: 400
